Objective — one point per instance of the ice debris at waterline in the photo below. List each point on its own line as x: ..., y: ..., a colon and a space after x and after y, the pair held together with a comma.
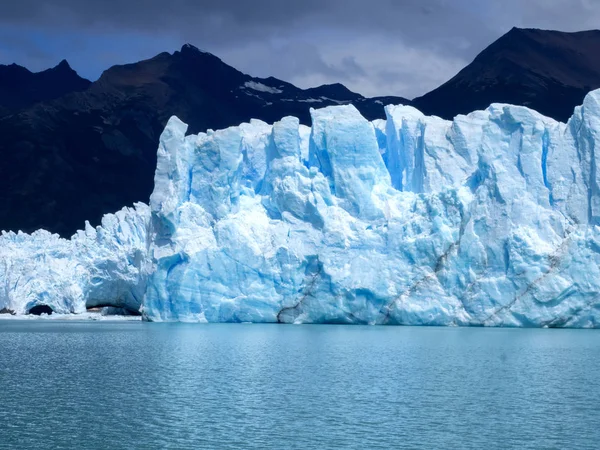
x: 491, y: 219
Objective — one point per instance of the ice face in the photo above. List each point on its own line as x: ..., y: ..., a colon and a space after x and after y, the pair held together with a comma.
x: 96, y: 267
x: 486, y: 220
x: 490, y: 219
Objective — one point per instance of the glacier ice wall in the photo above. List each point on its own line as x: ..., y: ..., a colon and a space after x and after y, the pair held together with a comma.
x: 491, y: 219
x: 103, y: 266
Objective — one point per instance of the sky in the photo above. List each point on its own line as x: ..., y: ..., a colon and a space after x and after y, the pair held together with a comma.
x: 374, y: 47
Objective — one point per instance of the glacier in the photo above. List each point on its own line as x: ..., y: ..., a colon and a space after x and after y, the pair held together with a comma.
x: 492, y: 219
x: 97, y: 267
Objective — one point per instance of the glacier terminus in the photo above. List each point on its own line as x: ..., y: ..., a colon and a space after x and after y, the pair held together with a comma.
x: 492, y: 219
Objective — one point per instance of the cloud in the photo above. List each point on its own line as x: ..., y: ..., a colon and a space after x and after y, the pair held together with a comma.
x: 376, y: 47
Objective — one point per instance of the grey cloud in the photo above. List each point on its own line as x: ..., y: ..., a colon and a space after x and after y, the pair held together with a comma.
x: 378, y: 47
x: 224, y: 20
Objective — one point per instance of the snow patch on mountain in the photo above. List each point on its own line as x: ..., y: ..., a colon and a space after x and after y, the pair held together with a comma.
x: 260, y: 87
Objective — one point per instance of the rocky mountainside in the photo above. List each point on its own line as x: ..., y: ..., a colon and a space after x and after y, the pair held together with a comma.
x: 549, y: 71
x: 88, y: 153
x: 20, y: 88
x: 74, y: 150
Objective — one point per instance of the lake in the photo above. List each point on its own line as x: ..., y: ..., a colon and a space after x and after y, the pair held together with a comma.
x: 91, y: 385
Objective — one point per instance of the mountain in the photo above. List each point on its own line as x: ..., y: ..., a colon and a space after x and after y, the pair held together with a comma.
x: 74, y: 150
x: 20, y: 88
x: 89, y: 153
x: 549, y: 71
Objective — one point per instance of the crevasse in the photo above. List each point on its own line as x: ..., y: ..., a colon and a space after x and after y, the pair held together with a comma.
x: 490, y: 219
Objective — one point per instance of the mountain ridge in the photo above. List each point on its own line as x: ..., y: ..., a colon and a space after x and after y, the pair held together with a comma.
x: 89, y: 152
x: 20, y: 88
x: 89, y: 148
x: 546, y: 70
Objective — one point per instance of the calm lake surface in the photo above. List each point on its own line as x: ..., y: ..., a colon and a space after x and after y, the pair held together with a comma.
x: 139, y: 385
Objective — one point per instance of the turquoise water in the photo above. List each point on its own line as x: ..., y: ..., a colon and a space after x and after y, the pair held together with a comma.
x: 139, y: 385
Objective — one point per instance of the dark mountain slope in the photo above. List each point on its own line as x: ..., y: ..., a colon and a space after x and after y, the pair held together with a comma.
x: 20, y: 88
x: 73, y: 152
x: 549, y: 71
x: 92, y: 152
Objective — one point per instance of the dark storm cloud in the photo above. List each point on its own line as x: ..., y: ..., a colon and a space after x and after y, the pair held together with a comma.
x: 221, y: 20
x: 401, y: 47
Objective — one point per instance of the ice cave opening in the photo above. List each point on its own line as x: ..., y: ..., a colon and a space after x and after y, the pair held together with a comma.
x: 38, y: 310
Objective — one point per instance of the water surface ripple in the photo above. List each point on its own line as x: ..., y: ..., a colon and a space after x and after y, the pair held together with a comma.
x: 146, y: 386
